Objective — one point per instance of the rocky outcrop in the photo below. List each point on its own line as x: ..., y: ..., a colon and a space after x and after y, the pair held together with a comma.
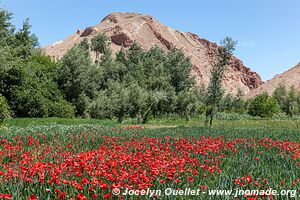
x: 88, y: 31
x: 252, y: 79
x: 124, y: 29
x: 121, y: 39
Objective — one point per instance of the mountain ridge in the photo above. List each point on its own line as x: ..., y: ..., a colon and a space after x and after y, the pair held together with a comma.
x: 123, y: 29
x: 289, y: 78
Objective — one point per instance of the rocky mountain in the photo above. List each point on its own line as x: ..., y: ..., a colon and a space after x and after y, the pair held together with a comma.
x: 288, y: 78
x: 123, y: 29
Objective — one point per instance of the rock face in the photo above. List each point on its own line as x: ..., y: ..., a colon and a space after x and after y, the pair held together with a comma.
x: 288, y: 78
x: 123, y: 29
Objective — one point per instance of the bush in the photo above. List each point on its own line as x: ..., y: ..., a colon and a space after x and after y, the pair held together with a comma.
x: 4, y: 109
x: 62, y: 108
x: 284, y: 116
x: 100, y: 108
x: 234, y: 116
x: 263, y: 106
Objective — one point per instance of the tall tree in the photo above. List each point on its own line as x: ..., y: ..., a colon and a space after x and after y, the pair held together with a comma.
x: 281, y: 96
x: 292, y: 103
x: 214, y: 89
x: 76, y: 77
x: 179, y: 67
x: 25, y: 41
x: 99, y: 45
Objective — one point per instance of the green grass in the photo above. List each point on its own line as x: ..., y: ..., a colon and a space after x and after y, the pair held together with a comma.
x: 159, y: 123
x: 27, y: 122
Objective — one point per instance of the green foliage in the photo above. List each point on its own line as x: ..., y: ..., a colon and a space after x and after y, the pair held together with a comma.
x: 113, y: 102
x: 233, y: 104
x: 36, y: 93
x: 76, y: 78
x: 4, y: 109
x: 24, y: 41
x: 179, y: 67
x: 27, y: 76
x: 141, y: 83
x: 61, y: 108
x: 263, y: 106
x: 186, y: 104
x: 99, y: 44
x: 100, y: 108
x: 288, y: 99
x: 215, y: 90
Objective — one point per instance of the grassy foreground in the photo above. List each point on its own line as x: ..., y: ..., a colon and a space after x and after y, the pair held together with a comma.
x: 158, y: 123
x: 88, y: 159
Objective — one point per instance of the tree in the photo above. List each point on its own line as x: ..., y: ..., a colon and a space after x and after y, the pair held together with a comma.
x: 4, y: 109
x: 36, y: 93
x: 135, y: 83
x: 232, y: 103
x: 100, y: 107
x: 25, y: 41
x: 292, y: 104
x: 287, y: 99
x: 179, y: 67
x: 280, y: 94
x: 263, y: 106
x: 7, y: 30
x: 76, y: 78
x: 214, y: 89
x: 186, y: 103
x: 113, y: 102
x: 99, y: 44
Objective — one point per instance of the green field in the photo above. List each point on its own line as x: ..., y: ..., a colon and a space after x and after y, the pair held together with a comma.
x: 158, y: 123
x: 87, y: 159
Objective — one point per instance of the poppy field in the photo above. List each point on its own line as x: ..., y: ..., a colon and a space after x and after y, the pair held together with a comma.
x: 89, y: 161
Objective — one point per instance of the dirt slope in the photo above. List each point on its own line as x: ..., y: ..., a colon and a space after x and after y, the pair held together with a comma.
x: 288, y: 78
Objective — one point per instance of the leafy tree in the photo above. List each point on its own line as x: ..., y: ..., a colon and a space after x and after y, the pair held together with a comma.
x: 179, y: 67
x: 36, y: 91
x: 138, y: 98
x: 280, y: 94
x: 100, y: 108
x: 76, y: 78
x: 6, y: 28
x: 287, y: 99
x: 24, y: 41
x: 135, y: 83
x: 263, y: 106
x: 113, y: 102
x: 232, y: 103
x: 4, y: 109
x: 186, y: 103
x: 15, y: 49
x: 111, y: 70
x: 153, y: 98
x: 214, y: 89
x: 292, y: 103
x: 99, y: 44
x: 119, y: 100
x: 59, y: 107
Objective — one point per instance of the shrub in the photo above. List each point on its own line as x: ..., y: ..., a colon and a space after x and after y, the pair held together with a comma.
x: 100, y: 108
x: 263, y: 106
x: 62, y: 108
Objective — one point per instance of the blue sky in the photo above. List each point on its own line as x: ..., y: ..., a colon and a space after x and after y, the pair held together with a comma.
x: 268, y: 31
